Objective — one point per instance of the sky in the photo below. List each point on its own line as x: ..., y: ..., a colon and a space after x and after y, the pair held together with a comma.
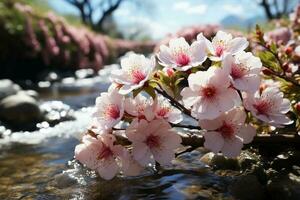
x: 168, y: 16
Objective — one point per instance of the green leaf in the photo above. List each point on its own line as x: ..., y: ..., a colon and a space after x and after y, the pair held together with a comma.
x: 178, y: 81
x: 137, y: 91
x: 269, y: 60
x: 164, y: 78
x: 150, y: 90
x: 154, y: 83
x: 273, y: 47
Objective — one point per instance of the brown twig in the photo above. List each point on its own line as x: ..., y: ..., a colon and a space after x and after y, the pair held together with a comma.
x: 174, y: 102
x: 280, y: 75
x: 185, y: 126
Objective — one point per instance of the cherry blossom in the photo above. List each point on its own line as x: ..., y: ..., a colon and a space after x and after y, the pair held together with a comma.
x: 180, y: 55
x: 164, y: 110
x: 139, y: 107
x: 153, y: 140
x: 244, y: 70
x: 269, y: 106
x: 101, y: 154
x: 209, y: 93
x: 169, y: 71
x: 280, y: 35
x: 223, y: 44
x: 135, y: 71
x: 227, y: 133
x: 109, y: 109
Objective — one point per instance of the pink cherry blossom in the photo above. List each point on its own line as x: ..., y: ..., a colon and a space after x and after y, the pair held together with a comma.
x: 244, y: 70
x: 227, y: 133
x: 169, y: 71
x: 153, y: 140
x: 135, y: 71
x: 109, y: 109
x: 209, y: 93
x: 223, y: 44
x: 279, y: 35
x: 269, y: 106
x: 180, y: 55
x: 139, y: 107
x: 164, y: 110
x: 101, y: 154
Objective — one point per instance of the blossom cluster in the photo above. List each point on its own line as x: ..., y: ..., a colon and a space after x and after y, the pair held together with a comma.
x: 221, y: 92
x: 49, y: 38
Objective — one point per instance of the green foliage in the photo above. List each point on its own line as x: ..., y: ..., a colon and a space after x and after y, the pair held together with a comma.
x: 268, y: 59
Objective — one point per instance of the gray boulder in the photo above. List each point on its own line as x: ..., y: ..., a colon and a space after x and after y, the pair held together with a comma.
x: 20, y: 110
x: 7, y: 88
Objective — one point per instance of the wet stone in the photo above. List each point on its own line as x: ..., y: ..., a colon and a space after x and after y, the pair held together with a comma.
x: 7, y: 88
x: 286, y: 160
x: 20, y: 111
x: 31, y: 93
x: 247, y: 187
x: 220, y: 162
x: 284, y: 187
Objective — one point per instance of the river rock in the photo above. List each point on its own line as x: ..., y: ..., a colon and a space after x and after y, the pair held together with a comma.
x: 20, y: 110
x: 247, y: 187
x: 7, y: 88
x: 218, y: 161
x: 31, y: 93
x: 286, y: 160
x: 284, y: 187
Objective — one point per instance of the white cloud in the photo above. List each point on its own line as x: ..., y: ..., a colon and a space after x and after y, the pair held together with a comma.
x: 122, y: 13
x: 156, y: 30
x: 188, y: 8
x: 181, y: 5
x: 233, y: 9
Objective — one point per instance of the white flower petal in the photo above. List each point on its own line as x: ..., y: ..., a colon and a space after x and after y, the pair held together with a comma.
x: 232, y: 147
x: 247, y: 133
x: 213, y: 141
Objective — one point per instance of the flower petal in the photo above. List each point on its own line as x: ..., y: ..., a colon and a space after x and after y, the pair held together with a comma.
x: 213, y: 141
x: 247, y: 133
x: 108, y: 169
x: 232, y: 147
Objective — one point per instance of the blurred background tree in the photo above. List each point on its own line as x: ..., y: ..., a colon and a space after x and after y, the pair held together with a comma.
x: 98, y: 14
x: 275, y: 9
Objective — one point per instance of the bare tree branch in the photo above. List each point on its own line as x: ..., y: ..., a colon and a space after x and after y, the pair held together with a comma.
x: 108, y: 12
x: 87, y: 11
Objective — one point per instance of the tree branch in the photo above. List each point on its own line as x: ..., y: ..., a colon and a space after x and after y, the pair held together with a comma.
x: 174, y: 102
x: 266, y: 6
x: 185, y: 126
x: 106, y: 13
x: 282, y: 76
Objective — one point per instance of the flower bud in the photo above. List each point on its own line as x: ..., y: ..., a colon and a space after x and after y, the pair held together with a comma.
x: 262, y: 87
x: 267, y: 72
x: 156, y: 75
x: 297, y: 107
x: 288, y: 50
x: 170, y: 72
x: 285, y: 66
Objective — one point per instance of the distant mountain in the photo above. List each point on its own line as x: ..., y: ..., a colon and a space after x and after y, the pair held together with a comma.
x: 234, y: 21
